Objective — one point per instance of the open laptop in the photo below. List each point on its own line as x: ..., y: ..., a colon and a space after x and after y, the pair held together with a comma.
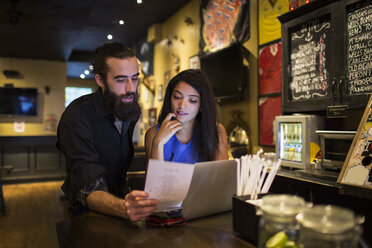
x: 212, y: 187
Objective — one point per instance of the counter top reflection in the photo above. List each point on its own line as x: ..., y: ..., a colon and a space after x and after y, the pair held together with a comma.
x: 93, y: 230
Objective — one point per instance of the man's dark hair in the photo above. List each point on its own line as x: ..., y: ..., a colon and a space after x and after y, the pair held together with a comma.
x: 205, y: 130
x: 107, y: 50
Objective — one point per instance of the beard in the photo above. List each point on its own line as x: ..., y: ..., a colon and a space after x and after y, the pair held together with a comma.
x: 124, y: 111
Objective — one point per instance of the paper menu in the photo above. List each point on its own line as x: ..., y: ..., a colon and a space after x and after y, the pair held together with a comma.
x: 168, y: 182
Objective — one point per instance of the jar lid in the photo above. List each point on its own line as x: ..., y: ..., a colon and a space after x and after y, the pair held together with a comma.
x: 327, y: 219
x: 282, y: 205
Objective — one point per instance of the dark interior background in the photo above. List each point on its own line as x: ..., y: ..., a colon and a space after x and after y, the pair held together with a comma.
x: 70, y: 30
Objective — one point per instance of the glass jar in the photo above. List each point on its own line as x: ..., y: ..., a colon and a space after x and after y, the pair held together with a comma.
x: 327, y: 226
x: 278, y: 216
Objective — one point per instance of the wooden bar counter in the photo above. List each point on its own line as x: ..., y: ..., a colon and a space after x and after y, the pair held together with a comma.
x: 94, y: 230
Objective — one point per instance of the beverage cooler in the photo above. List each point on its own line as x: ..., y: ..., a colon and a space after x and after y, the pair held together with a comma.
x: 292, y: 137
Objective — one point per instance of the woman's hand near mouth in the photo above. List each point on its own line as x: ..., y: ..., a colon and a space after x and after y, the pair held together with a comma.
x: 168, y: 128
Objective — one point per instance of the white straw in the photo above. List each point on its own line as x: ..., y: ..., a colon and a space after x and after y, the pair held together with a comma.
x: 246, y: 165
x: 238, y: 177
x: 270, y: 177
x: 260, y: 183
x: 256, y: 176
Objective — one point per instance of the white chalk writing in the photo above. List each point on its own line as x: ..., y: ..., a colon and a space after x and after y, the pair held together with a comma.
x: 359, y: 51
x: 308, y: 60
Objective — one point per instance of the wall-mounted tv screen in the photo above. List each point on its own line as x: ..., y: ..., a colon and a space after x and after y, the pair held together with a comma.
x: 226, y: 72
x: 18, y: 101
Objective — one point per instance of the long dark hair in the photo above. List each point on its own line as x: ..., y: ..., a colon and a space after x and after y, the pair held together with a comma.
x: 205, y: 129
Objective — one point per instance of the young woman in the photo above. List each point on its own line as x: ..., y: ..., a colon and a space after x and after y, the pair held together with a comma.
x: 187, y: 129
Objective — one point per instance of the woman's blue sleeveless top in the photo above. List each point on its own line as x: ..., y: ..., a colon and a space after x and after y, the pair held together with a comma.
x: 175, y: 151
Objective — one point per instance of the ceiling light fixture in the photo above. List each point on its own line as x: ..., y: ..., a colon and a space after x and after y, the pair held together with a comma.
x: 139, y: 1
x: 109, y: 37
x: 91, y: 67
x: 82, y: 76
x: 86, y: 72
x: 121, y: 22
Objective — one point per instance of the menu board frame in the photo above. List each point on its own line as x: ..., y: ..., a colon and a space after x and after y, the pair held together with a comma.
x: 336, y: 58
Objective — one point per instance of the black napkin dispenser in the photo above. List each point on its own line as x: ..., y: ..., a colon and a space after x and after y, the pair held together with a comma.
x: 245, y: 219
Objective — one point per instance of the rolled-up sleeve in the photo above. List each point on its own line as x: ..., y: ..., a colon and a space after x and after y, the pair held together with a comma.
x: 98, y: 184
x: 75, y: 140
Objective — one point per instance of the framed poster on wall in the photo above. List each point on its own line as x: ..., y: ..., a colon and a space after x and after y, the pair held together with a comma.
x: 268, y: 23
x: 269, y: 107
x: 269, y: 68
x: 270, y: 88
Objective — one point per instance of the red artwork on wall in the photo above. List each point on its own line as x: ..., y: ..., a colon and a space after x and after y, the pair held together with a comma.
x: 219, y: 20
x: 269, y: 107
x: 269, y: 62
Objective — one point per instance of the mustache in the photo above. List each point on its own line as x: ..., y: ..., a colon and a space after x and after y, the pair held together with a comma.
x: 129, y: 94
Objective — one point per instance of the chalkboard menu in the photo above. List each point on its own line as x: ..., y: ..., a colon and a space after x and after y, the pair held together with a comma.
x: 308, y: 59
x: 359, y: 49
x: 327, y: 56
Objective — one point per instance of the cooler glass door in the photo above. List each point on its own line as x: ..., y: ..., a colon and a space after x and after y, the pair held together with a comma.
x: 290, y: 141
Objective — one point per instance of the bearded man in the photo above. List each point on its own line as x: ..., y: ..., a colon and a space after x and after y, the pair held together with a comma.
x: 95, y: 134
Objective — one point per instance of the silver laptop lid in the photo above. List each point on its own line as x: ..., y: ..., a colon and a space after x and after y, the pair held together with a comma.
x: 212, y: 187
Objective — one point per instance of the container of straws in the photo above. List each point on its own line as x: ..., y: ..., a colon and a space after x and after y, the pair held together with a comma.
x: 255, y: 175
